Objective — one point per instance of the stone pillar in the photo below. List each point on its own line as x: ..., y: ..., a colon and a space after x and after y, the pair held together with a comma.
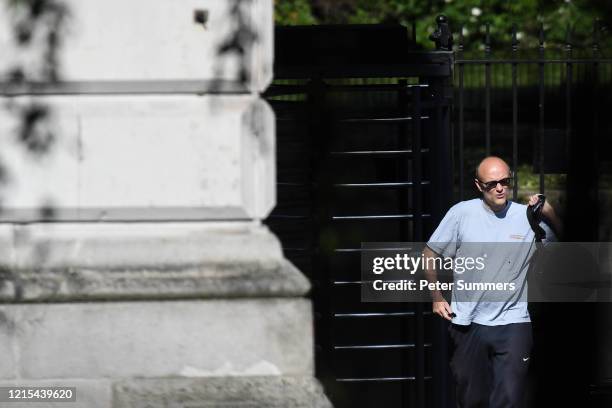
x: 137, y: 161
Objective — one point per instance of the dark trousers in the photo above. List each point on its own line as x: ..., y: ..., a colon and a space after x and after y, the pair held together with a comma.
x: 490, y: 364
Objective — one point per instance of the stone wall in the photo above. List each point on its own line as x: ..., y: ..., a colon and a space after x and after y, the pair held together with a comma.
x: 137, y: 161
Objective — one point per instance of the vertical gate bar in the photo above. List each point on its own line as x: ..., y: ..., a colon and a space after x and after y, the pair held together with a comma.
x: 418, y: 236
x: 452, y: 157
x: 595, y: 95
x: 461, y: 119
x: 514, y: 115
x: 417, y: 164
x: 420, y: 356
x: 541, y: 91
x: 404, y: 205
x: 488, y: 90
x: 439, y: 163
x: 321, y: 280
x: 443, y: 145
x: 568, y: 86
x: 404, y: 172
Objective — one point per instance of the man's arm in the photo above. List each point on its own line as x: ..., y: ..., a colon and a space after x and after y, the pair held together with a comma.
x: 439, y: 305
x: 553, y: 220
x: 548, y: 212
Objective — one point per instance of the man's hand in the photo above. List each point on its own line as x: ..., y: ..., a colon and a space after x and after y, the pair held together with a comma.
x: 547, y: 210
x: 440, y: 305
x: 442, y: 308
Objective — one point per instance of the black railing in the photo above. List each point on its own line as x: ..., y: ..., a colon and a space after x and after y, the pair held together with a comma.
x: 567, y: 84
x: 367, y: 151
x: 555, y: 125
x: 360, y: 141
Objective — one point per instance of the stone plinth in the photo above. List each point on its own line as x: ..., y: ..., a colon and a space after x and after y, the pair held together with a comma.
x: 137, y: 162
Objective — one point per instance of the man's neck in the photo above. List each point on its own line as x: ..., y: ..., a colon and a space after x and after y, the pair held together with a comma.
x: 493, y: 208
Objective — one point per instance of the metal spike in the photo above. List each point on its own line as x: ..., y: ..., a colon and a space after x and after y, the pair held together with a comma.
x: 487, y: 39
x: 568, y: 39
x: 541, y: 40
x: 541, y: 35
x: 596, y: 37
x: 514, y: 39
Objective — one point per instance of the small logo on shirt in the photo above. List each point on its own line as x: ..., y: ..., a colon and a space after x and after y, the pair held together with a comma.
x: 525, y: 358
x: 517, y: 236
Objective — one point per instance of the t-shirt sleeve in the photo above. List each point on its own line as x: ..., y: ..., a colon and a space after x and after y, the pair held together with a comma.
x: 444, y: 239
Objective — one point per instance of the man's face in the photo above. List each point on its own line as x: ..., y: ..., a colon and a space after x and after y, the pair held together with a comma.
x: 494, y: 194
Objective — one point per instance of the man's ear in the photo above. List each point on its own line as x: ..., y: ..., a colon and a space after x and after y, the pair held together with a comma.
x: 478, y: 185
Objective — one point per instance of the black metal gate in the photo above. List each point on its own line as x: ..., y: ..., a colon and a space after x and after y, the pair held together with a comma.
x: 544, y: 110
x: 366, y: 152
x: 363, y: 122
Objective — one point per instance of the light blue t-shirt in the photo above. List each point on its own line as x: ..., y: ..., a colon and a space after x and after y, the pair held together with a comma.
x: 462, y: 230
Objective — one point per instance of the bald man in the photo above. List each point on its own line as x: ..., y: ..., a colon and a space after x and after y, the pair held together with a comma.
x: 492, y: 338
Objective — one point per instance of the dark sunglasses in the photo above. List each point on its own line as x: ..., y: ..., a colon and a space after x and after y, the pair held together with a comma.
x: 490, y: 185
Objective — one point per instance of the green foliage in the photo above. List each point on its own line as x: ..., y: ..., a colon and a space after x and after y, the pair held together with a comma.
x: 473, y: 15
x: 529, y: 183
x: 293, y: 12
x: 528, y: 180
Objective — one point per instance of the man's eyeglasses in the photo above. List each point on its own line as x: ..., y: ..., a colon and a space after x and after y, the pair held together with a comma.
x: 490, y: 185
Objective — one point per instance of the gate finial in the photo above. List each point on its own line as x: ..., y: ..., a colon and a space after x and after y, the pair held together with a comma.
x: 442, y: 36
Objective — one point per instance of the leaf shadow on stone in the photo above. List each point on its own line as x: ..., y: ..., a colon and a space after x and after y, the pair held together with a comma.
x: 239, y: 43
x: 38, y: 28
